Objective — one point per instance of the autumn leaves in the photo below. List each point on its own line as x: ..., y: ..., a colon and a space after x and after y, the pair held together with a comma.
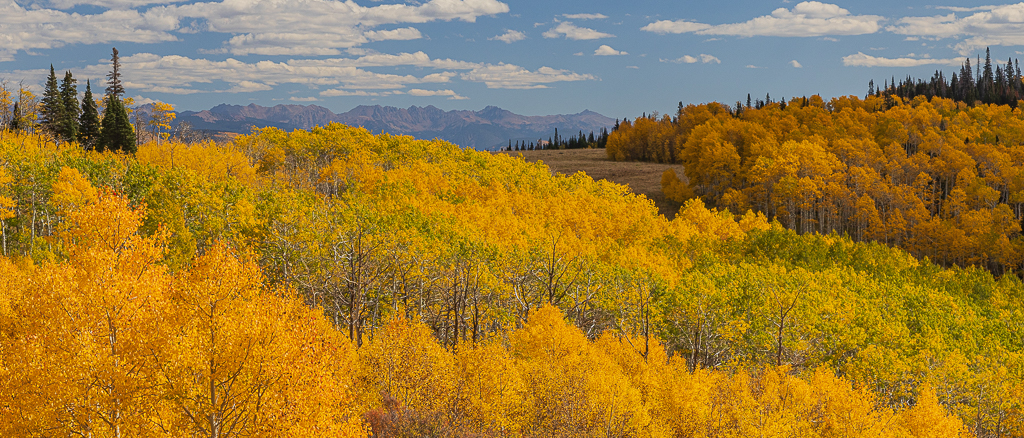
x: 108, y: 342
x: 335, y: 282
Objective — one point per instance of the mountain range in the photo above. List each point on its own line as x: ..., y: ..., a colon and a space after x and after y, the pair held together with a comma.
x: 489, y: 128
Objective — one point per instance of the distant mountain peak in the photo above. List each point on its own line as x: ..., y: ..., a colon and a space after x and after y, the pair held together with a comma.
x: 488, y: 128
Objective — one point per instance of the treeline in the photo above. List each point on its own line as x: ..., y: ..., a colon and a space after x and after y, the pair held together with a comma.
x: 985, y: 85
x: 939, y: 178
x: 95, y: 124
x: 578, y: 141
x: 731, y: 322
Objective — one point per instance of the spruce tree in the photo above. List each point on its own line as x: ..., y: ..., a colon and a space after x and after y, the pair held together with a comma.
x: 987, y: 88
x: 114, y: 87
x: 116, y: 132
x: 68, y: 126
x: 52, y: 106
x: 89, y: 120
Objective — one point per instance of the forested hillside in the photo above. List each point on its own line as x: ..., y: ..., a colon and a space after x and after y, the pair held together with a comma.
x: 332, y: 282
x: 939, y: 178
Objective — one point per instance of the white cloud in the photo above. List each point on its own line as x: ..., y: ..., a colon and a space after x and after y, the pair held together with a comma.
x: 402, y: 34
x: 795, y: 64
x: 806, y: 19
x: 109, y: 4
x: 633, y: 67
x: 606, y: 50
x: 585, y: 16
x: 993, y: 26
x: 264, y: 27
x: 139, y: 100
x: 963, y: 9
x: 687, y: 59
x: 30, y: 29
x: 515, y: 77
x: 708, y: 59
x: 574, y: 32
x: 752, y: 66
x: 678, y: 26
x: 303, y: 99
x: 862, y: 60
x: 427, y: 93
x: 174, y: 74
x: 510, y: 36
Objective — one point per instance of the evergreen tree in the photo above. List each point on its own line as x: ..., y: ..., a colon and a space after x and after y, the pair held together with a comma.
x: 15, y: 118
x: 116, y: 132
x: 114, y: 87
x: 89, y: 120
x: 987, y: 87
x: 52, y: 106
x: 68, y: 126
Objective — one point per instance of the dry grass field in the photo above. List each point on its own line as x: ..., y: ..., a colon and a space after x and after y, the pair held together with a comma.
x: 642, y: 178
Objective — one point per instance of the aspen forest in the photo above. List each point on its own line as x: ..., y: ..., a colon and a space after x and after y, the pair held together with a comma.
x: 938, y: 178
x: 331, y: 282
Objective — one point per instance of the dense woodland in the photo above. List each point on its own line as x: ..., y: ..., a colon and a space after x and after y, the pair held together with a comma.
x: 936, y: 177
x: 335, y: 282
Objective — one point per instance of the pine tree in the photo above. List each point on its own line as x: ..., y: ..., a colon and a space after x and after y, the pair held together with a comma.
x: 114, y: 87
x: 89, y: 120
x: 116, y: 132
x: 68, y: 126
x: 52, y: 106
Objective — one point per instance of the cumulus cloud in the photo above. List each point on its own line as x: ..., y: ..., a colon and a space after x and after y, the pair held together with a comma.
x: 574, y: 32
x: 795, y: 64
x: 303, y: 99
x: 30, y: 29
x: 992, y: 26
x: 606, y: 50
x: 510, y: 36
x: 428, y: 93
x: 175, y: 74
x: 516, y: 77
x: 109, y: 4
x: 264, y: 27
x: 806, y: 19
x: 678, y: 26
x: 585, y: 16
x: 863, y: 60
x: 687, y: 59
x: 402, y: 34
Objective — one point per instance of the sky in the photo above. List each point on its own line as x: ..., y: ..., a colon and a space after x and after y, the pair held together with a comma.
x: 618, y: 58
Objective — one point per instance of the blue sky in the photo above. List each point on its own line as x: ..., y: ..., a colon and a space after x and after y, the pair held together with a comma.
x: 619, y: 58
